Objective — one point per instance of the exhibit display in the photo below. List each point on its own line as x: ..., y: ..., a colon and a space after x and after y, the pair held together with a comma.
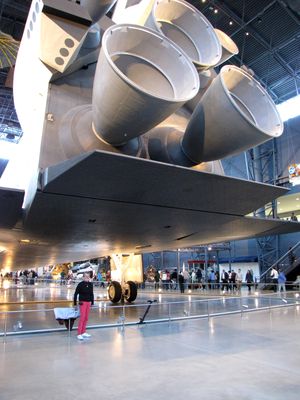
x: 125, y: 121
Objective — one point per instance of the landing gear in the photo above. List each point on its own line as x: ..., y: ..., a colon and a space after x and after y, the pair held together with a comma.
x: 130, y: 291
x: 114, y: 292
x: 127, y: 291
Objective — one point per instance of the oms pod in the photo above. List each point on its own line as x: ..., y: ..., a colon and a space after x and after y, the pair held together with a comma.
x: 189, y: 29
x: 235, y: 114
x: 141, y: 78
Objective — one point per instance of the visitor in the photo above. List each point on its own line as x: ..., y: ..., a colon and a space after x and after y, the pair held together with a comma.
x: 186, y: 277
x: 199, y: 275
x: 174, y: 279
x: 233, y: 281
x: 193, y: 279
x: 249, y: 280
x: 212, y: 279
x: 86, y: 298
x: 281, y: 281
x: 181, y: 282
x: 239, y: 280
x: 294, y: 217
x: 217, y: 274
x: 224, y: 278
x: 156, y: 280
x: 274, y: 276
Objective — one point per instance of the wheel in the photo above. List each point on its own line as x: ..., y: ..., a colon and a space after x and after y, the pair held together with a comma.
x: 130, y: 291
x: 114, y: 292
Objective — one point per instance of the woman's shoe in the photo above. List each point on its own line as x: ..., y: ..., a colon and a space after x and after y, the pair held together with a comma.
x: 80, y: 337
x: 86, y: 335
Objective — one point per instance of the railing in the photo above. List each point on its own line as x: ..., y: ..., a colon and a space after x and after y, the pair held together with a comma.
x: 286, y: 263
x: 149, y: 287
x: 107, y: 315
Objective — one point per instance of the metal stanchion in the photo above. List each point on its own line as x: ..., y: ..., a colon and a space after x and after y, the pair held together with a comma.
x: 241, y: 303
x: 208, y: 315
x: 123, y: 319
x: 5, y: 328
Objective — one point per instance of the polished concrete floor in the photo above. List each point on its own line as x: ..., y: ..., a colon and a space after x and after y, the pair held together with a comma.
x: 254, y: 356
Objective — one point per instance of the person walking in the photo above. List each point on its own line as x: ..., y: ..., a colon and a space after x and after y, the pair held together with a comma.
x: 181, y: 282
x: 174, y: 277
x: 281, y: 281
x: 156, y: 280
x: 212, y: 279
x: 239, y: 280
x: 86, y: 298
x: 274, y: 276
x: 249, y: 280
x: 224, y: 278
x: 233, y: 281
x: 217, y: 283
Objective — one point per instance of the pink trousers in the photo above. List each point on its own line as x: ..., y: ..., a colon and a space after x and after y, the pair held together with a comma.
x: 84, y: 316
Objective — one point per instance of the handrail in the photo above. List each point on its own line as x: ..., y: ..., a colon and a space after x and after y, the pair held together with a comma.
x: 136, y: 305
x: 279, y: 260
x: 147, y: 285
x: 130, y: 306
x: 241, y: 308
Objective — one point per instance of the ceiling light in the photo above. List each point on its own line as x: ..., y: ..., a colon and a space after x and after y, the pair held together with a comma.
x: 230, y: 23
x: 216, y: 11
x: 297, y: 198
x: 203, y: 1
x: 247, y: 33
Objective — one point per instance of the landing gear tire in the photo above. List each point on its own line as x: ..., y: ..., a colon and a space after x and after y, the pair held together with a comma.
x: 130, y: 291
x: 114, y: 292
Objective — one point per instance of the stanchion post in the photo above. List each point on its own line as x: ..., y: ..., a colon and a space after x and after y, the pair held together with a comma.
x: 208, y: 316
x: 5, y: 328
x: 241, y: 303
x: 123, y: 319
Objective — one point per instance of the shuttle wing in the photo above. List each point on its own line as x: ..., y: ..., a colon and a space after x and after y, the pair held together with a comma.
x: 101, y: 203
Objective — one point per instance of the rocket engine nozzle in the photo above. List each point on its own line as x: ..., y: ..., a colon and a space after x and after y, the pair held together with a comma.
x: 141, y: 79
x: 234, y: 115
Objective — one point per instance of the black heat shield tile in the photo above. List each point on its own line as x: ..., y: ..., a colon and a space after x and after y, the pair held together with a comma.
x: 11, y: 201
x: 102, y: 203
x: 107, y: 176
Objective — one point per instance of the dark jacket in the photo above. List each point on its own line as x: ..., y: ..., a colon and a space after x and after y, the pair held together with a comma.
x: 249, y: 277
x: 85, y: 292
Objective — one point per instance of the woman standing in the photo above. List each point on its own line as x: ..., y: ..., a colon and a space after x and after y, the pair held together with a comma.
x: 86, y: 298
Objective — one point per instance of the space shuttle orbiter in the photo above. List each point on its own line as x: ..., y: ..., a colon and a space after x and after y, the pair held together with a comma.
x: 125, y: 121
